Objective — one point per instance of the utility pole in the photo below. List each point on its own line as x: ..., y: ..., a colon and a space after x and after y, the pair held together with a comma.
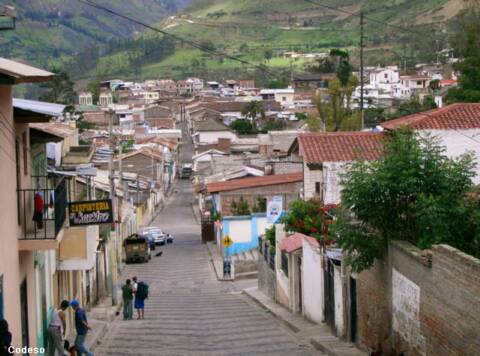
x: 362, y: 113
x: 115, y: 260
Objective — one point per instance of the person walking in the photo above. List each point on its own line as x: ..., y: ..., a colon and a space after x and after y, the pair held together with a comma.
x: 5, y: 338
x: 56, y: 329
x: 141, y: 293
x: 127, y: 295
x: 82, y: 327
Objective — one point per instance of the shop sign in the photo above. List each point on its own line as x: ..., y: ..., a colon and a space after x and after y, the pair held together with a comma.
x: 90, y: 212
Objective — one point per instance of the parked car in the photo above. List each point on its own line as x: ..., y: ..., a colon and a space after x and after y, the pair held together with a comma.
x: 150, y: 239
x: 158, y: 235
x: 137, y: 248
x: 186, y: 171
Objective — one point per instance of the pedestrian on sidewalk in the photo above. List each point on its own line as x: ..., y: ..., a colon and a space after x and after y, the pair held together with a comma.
x: 56, y: 330
x: 127, y: 295
x: 141, y: 293
x: 5, y: 338
x: 82, y: 327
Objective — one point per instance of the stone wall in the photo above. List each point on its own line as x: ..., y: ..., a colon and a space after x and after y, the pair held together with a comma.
x: 267, y: 281
x: 421, y: 303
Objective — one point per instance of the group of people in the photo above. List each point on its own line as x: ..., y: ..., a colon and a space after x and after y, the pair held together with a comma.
x: 134, y: 295
x: 57, y: 344
x: 57, y: 328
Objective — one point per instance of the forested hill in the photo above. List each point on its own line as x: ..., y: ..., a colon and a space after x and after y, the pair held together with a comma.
x: 48, y: 30
x: 259, y: 31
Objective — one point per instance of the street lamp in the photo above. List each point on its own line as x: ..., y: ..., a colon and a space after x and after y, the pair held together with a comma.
x: 7, y: 18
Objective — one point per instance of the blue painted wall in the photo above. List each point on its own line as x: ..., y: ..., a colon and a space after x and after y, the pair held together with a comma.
x: 239, y: 247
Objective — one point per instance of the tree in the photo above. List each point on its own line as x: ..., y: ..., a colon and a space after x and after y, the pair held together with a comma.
x: 268, y: 54
x: 260, y: 205
x: 334, y: 110
x: 465, y: 31
x: 94, y: 88
x: 307, y: 217
x: 254, y: 110
x: 240, y: 208
x: 413, y: 193
x: 59, y: 89
x: 242, y: 127
x: 413, y: 106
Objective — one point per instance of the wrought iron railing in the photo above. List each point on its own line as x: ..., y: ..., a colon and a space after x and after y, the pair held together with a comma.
x: 42, y: 211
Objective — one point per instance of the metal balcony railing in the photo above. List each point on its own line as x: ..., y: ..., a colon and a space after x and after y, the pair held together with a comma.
x: 42, y: 212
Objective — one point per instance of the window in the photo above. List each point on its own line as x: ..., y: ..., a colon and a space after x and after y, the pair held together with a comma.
x: 385, y: 75
x: 285, y: 263
x: 317, y: 188
x: 284, y: 98
x: 419, y: 83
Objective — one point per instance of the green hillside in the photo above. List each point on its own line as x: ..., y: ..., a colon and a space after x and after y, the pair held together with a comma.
x: 50, y: 30
x: 259, y: 31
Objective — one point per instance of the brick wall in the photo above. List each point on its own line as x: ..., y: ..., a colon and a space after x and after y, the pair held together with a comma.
x: 289, y: 191
x: 433, y: 303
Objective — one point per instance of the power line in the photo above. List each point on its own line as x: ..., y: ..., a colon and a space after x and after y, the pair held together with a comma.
x: 175, y: 37
x: 371, y: 19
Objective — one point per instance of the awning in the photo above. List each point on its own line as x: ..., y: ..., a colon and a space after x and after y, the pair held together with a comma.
x: 292, y: 243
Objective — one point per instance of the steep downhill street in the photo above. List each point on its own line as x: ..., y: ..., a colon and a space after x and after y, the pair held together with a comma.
x: 189, y: 312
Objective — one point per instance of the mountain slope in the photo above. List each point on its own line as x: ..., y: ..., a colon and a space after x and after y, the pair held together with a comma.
x: 256, y: 30
x: 50, y: 29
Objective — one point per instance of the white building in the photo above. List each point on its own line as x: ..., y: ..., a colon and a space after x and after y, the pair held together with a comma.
x: 85, y: 98
x: 324, y: 156
x: 105, y: 99
x: 286, y: 97
x: 457, y: 126
x: 190, y: 86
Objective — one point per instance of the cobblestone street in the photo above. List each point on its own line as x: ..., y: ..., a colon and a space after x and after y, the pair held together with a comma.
x: 189, y: 312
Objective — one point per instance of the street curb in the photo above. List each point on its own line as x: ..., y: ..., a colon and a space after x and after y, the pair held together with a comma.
x: 271, y: 312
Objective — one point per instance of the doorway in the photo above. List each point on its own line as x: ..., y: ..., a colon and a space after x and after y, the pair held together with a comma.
x: 329, y: 294
x: 353, y: 310
x: 24, y: 312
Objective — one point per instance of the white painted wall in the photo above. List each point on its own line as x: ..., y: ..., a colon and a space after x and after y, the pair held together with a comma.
x: 339, y: 310
x: 213, y: 136
x: 310, y: 177
x: 240, y: 230
x: 262, y: 225
x: 312, y: 283
x: 331, y: 177
x: 458, y: 142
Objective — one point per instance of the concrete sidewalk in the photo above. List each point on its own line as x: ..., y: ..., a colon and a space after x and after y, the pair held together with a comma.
x: 319, y: 335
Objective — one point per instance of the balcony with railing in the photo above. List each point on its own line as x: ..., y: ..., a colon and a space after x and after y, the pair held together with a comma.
x: 42, y: 213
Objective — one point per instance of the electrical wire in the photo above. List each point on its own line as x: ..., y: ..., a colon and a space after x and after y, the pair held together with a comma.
x: 371, y: 19
x: 176, y: 37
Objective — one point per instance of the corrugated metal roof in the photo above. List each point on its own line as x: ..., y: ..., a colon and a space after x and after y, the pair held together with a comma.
x: 40, y: 107
x: 23, y: 73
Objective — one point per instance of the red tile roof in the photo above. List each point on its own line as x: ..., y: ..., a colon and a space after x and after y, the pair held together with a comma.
x: 453, y: 117
x: 293, y: 242
x: 316, y: 148
x: 255, y: 182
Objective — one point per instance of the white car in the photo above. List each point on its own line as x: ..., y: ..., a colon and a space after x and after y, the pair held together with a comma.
x: 159, y: 236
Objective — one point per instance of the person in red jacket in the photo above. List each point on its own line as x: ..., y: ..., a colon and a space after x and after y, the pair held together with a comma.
x: 39, y: 207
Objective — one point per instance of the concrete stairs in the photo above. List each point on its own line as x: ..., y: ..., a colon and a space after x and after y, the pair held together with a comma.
x: 245, y: 265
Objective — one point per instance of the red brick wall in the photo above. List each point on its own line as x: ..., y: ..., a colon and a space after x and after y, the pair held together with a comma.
x: 433, y: 310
